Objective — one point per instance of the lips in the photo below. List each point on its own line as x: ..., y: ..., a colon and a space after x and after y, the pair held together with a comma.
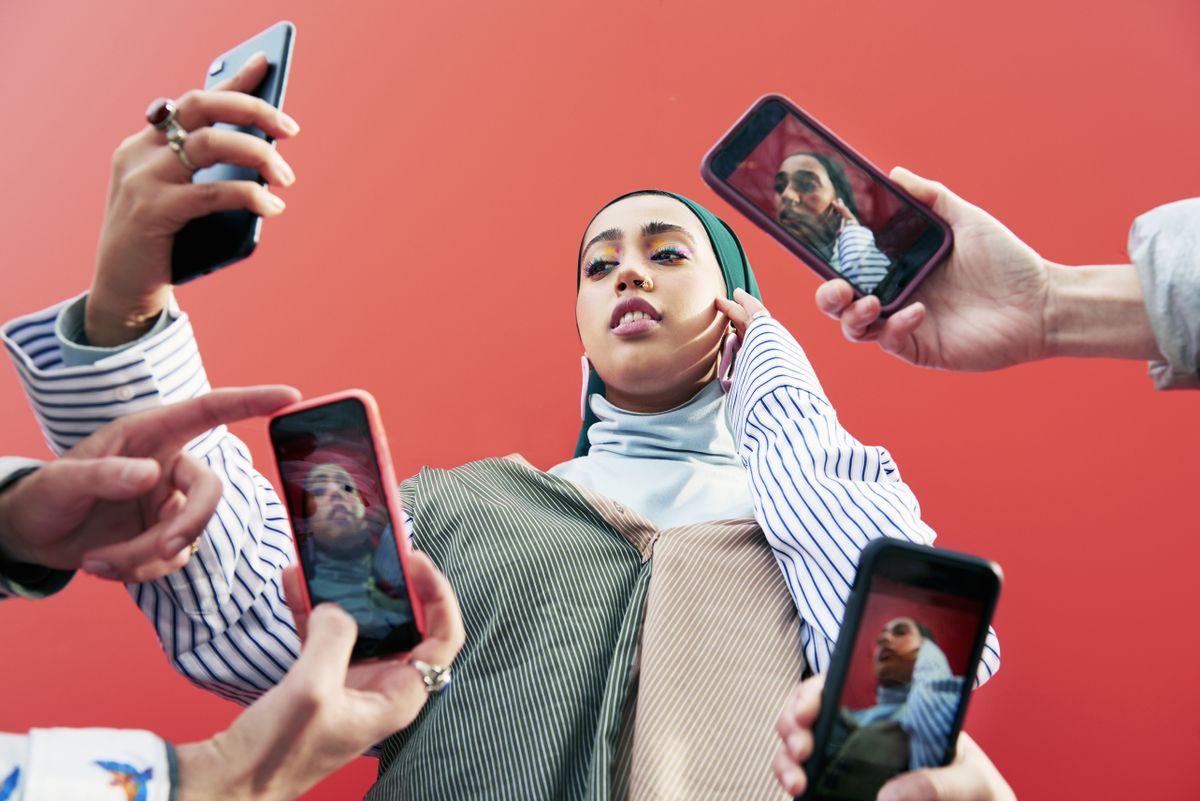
x: 634, y: 316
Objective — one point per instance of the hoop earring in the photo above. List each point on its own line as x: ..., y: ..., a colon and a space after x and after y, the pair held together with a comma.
x: 725, y: 362
x: 586, y: 367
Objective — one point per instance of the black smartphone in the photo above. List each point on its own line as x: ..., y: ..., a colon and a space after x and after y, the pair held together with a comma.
x: 902, y: 671
x: 825, y: 203
x: 337, y: 482
x: 224, y: 237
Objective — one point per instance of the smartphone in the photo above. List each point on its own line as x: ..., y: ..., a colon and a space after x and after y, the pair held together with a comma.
x: 341, y: 498
x: 224, y: 237
x: 903, y: 667
x: 825, y: 203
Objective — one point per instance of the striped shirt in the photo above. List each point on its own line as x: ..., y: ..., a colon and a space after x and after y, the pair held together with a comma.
x: 858, y: 259
x: 820, y: 496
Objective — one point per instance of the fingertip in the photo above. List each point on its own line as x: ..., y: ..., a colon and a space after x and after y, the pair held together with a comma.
x: 256, y: 61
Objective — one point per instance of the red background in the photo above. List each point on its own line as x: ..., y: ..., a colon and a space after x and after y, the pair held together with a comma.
x: 450, y: 158
x: 953, y: 620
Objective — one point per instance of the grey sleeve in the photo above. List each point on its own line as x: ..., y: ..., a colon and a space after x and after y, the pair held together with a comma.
x: 1164, y: 245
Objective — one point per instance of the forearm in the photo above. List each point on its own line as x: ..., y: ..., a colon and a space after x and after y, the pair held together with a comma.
x: 1098, y: 311
x: 221, y: 618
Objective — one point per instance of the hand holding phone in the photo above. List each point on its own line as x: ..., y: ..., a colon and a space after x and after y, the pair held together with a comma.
x: 825, y: 203
x: 219, y: 239
x: 347, y: 522
x: 152, y: 196
x: 896, y: 692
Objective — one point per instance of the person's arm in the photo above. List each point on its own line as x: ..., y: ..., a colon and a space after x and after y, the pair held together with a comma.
x: 859, y: 260
x: 930, y: 707
x: 321, y: 716
x: 221, y: 618
x: 819, y: 494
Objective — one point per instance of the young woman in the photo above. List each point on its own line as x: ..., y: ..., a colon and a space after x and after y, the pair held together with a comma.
x: 635, y: 616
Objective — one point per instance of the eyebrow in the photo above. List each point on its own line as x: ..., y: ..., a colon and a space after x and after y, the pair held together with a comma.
x: 611, y: 235
x: 656, y: 227
x: 653, y: 228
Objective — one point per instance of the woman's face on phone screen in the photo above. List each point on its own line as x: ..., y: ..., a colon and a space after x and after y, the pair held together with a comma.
x: 645, y: 308
x: 896, y: 650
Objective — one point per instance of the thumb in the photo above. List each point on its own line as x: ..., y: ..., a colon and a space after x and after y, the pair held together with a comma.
x: 325, y: 656
x: 933, y: 194
x: 958, y: 782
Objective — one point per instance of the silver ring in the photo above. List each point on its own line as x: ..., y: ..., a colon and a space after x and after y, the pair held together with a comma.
x: 759, y: 313
x: 163, y: 116
x: 436, y: 678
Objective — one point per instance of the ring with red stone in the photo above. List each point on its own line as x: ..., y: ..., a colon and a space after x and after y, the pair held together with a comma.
x: 162, y: 115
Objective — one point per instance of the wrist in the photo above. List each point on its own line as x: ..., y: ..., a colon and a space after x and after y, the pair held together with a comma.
x: 204, y: 774
x: 1097, y: 311
x: 10, y: 550
x: 113, y: 316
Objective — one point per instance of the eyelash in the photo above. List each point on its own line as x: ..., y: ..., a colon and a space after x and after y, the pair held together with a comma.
x: 598, y: 266
x: 665, y: 255
x: 671, y: 254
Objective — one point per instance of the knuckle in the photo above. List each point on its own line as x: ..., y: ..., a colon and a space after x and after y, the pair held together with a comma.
x: 202, y: 139
x: 189, y: 98
x: 208, y: 194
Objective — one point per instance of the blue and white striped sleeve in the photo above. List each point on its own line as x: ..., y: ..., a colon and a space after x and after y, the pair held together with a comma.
x: 819, y: 494
x: 222, y: 619
x: 859, y: 260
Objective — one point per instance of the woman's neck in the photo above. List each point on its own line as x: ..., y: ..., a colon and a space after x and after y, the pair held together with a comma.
x: 660, y: 400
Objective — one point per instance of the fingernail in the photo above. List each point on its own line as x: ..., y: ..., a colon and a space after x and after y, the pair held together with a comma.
x: 176, y: 545
x: 135, y: 473
x: 275, y: 203
x: 795, y: 743
x: 791, y: 777
x: 285, y: 172
x: 98, y: 567
x: 289, y: 125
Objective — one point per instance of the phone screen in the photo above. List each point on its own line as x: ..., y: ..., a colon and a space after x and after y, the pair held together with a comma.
x: 827, y: 200
x: 344, y: 533
x: 907, y: 675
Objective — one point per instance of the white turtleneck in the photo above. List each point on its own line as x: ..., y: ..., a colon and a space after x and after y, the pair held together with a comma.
x: 675, y: 467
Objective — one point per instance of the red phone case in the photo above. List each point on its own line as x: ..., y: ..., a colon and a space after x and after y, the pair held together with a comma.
x: 386, y: 475
x: 772, y: 226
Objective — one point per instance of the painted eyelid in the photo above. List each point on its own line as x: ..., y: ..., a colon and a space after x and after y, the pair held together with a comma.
x: 672, y: 250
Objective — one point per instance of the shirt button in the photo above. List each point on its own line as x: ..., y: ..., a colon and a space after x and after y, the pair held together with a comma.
x: 124, y: 393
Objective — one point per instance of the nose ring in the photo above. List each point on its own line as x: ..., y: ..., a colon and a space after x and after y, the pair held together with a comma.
x: 643, y: 283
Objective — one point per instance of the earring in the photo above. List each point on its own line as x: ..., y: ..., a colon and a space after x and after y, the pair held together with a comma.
x: 729, y: 349
x: 586, y: 367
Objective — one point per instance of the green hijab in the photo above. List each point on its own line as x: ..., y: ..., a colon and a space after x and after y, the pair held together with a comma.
x: 730, y: 257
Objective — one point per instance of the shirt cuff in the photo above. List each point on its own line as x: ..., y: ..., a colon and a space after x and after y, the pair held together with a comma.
x: 96, y: 764
x: 73, y: 341
x: 1164, y: 245
x: 72, y: 402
